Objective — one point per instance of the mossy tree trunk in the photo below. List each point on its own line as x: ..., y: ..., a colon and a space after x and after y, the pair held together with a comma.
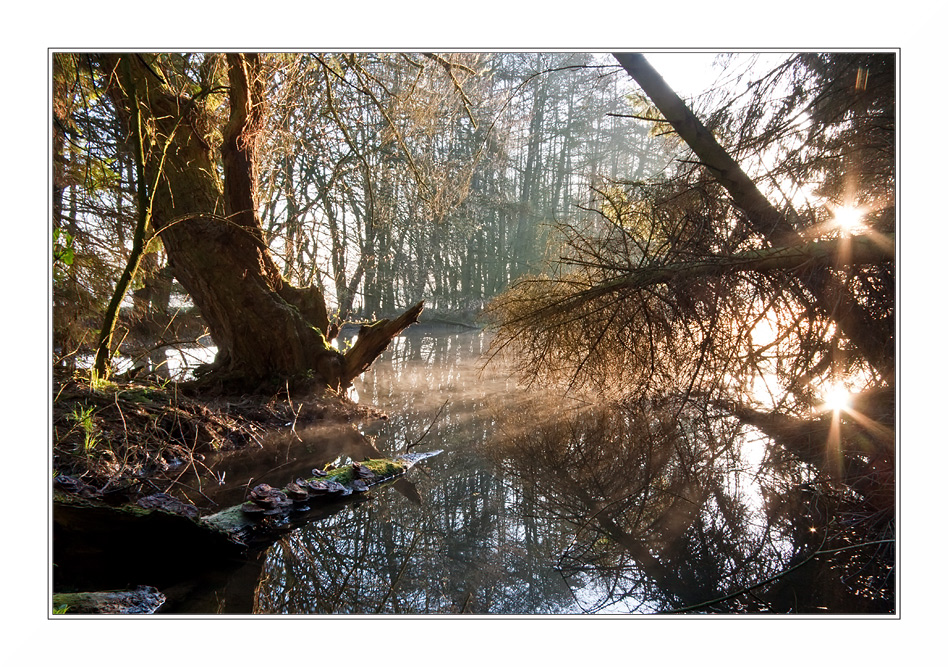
x: 264, y: 327
x: 103, y: 353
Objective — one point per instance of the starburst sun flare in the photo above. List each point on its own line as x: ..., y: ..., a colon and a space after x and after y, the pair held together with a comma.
x: 848, y: 219
x: 838, y: 398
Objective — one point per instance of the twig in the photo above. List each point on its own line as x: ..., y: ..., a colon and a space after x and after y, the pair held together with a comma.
x: 416, y: 442
x: 296, y: 413
x: 856, y: 546
x: 411, y: 548
x: 122, y: 415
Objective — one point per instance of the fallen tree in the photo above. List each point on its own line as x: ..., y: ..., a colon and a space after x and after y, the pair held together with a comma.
x: 258, y: 520
x: 269, y: 512
x: 852, y: 251
x: 142, y: 600
x: 161, y: 541
x: 777, y: 229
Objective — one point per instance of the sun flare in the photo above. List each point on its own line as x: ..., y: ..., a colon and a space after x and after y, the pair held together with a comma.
x: 848, y: 218
x: 838, y: 398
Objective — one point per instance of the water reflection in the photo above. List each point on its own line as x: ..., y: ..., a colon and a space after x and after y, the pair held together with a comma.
x: 669, y: 515
x: 468, y: 542
x: 543, y: 505
x: 278, y: 458
x: 175, y: 362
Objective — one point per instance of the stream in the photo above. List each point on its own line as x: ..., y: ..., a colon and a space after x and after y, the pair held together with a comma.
x: 537, y: 505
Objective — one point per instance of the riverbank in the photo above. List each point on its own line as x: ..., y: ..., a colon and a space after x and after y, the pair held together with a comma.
x: 120, y: 441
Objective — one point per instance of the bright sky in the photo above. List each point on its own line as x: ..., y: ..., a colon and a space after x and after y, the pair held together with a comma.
x: 692, y: 73
x: 687, y: 73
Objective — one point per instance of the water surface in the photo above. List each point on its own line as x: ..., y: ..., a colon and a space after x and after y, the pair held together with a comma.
x: 538, y: 505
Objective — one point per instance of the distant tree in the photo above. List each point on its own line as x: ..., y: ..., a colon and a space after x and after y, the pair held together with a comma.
x: 91, y: 207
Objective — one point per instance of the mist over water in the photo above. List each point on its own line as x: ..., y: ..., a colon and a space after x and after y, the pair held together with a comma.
x: 540, y: 504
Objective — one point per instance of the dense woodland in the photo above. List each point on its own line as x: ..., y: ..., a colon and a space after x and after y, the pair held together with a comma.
x: 710, y: 266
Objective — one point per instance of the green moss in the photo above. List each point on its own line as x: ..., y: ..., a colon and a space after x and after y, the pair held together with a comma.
x: 381, y: 467
x: 102, y: 386
x: 384, y: 467
x: 144, y: 395
x: 321, y: 337
x: 366, y: 328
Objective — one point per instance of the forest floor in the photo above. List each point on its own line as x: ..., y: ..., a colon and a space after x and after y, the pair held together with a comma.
x: 121, y: 441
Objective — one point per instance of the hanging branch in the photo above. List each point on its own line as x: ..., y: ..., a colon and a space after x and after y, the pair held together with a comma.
x: 449, y: 67
x: 360, y: 72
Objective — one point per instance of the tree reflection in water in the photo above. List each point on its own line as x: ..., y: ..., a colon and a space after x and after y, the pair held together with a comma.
x: 457, y: 538
x: 542, y: 506
x: 670, y: 511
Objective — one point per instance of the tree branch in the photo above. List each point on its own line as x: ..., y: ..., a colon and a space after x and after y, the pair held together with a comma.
x: 762, y: 215
x: 373, y: 339
x: 852, y: 251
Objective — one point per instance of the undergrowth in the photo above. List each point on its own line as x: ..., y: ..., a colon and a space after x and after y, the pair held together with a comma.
x: 138, y: 438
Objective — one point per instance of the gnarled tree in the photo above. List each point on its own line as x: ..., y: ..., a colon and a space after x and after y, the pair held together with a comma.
x: 205, y: 213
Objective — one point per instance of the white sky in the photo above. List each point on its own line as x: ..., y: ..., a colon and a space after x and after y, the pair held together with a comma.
x: 687, y: 73
x: 692, y: 73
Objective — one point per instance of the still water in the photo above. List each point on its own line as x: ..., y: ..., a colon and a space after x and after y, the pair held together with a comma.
x: 538, y: 505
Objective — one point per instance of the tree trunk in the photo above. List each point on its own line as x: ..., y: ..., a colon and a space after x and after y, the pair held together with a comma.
x: 265, y: 329
x: 856, y: 250
x: 103, y: 354
x: 525, y: 250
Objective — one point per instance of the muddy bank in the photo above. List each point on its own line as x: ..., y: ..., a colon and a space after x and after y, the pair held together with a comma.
x: 128, y: 440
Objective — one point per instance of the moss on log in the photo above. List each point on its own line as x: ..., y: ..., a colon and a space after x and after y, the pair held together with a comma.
x: 142, y: 600
x: 155, y: 532
x: 271, y: 512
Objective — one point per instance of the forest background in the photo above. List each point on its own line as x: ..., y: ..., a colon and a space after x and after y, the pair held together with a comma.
x: 26, y: 272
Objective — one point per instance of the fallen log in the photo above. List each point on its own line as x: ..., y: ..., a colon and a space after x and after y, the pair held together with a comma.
x: 142, y: 600
x: 160, y: 541
x: 269, y: 512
